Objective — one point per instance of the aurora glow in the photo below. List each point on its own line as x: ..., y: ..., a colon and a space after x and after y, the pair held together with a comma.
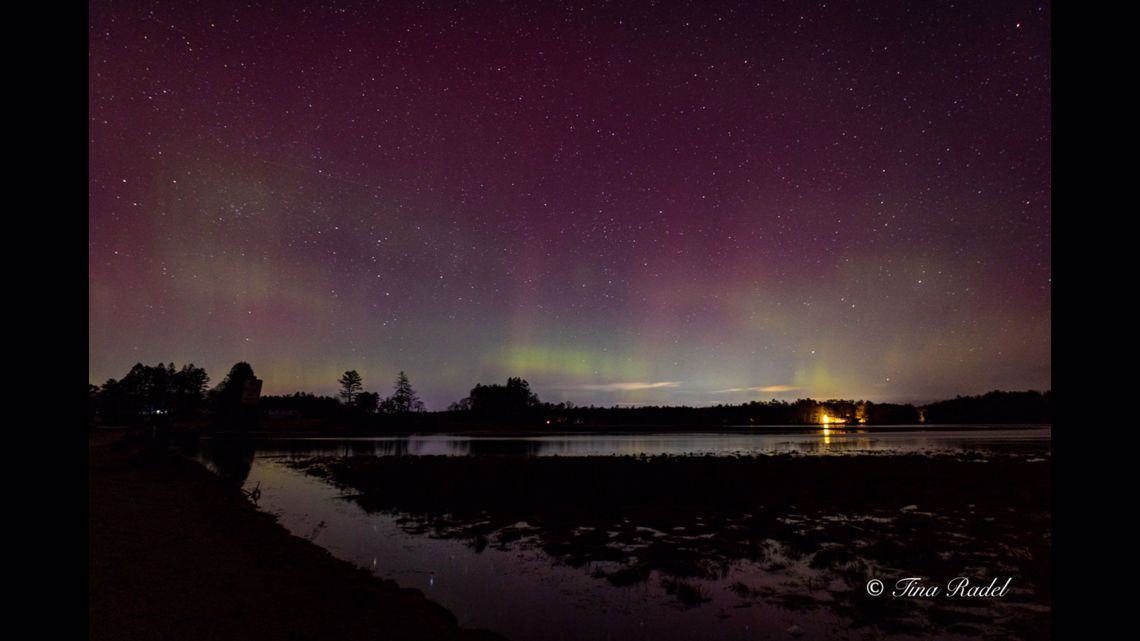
x: 667, y: 203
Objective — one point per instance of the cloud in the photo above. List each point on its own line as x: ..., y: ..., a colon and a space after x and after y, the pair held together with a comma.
x: 770, y: 389
x: 626, y: 387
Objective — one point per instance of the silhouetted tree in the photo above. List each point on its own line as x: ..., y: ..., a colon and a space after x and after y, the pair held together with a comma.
x: 405, y: 399
x: 462, y: 405
x: 159, y: 390
x: 225, y: 399
x: 367, y: 401
x: 233, y: 385
x: 306, y: 405
x: 350, y: 385
x: 993, y: 407
x: 387, y: 406
x: 509, y: 402
x: 92, y: 402
x: 110, y: 402
x: 188, y: 388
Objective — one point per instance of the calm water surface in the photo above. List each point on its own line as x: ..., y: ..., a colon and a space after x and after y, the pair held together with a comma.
x: 526, y: 595
x: 899, y: 440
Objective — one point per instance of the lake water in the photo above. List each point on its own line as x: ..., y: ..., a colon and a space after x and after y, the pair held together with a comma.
x: 813, y: 441
x: 514, y: 587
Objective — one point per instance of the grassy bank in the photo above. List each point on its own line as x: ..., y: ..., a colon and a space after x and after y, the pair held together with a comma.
x: 174, y: 554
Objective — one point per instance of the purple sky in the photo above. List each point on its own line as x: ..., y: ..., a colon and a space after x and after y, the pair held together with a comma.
x: 625, y: 202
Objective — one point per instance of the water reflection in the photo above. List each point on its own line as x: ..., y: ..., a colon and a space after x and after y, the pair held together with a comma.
x: 830, y: 440
x: 677, y: 548
x: 562, y: 537
x: 231, y: 458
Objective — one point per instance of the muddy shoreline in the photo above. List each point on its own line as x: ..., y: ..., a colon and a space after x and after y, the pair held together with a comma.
x: 176, y: 554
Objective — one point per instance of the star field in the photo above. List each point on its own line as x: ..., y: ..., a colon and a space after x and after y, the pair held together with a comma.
x: 663, y: 202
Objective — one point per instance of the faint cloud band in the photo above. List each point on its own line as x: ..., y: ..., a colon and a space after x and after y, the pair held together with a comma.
x: 625, y: 387
x: 770, y: 389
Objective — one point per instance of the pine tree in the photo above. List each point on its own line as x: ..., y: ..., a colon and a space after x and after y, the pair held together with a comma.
x: 405, y: 398
x: 350, y: 385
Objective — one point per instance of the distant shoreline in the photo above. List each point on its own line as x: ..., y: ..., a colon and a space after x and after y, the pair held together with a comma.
x: 603, y: 430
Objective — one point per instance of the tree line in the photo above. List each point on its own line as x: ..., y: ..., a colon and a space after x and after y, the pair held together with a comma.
x: 151, y: 391
x: 403, y: 400
x: 164, y: 393
x: 994, y: 407
x: 167, y: 393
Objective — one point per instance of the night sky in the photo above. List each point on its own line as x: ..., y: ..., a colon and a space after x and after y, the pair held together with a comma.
x: 623, y: 202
